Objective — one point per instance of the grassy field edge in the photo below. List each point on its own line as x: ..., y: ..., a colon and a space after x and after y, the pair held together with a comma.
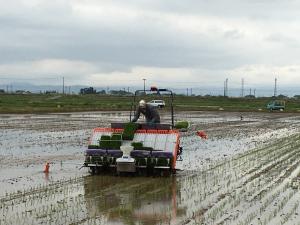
x: 41, y: 103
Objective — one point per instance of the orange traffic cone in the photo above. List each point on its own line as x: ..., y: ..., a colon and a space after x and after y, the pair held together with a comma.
x: 47, y: 167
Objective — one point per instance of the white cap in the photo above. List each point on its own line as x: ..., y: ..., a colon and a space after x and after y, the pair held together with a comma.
x: 142, y: 103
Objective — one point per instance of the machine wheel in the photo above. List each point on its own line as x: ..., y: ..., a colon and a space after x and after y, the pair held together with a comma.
x: 92, y: 170
x: 165, y: 173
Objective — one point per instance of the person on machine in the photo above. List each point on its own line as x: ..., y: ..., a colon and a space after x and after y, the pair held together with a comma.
x: 150, y: 112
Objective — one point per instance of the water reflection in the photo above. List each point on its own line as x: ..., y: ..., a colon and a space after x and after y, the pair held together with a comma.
x: 133, y: 200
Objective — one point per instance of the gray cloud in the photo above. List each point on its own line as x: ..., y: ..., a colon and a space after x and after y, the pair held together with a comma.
x: 116, y: 37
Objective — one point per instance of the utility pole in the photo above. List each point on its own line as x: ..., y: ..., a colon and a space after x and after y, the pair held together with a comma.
x: 275, y: 88
x: 242, y: 87
x: 144, y: 85
x: 63, y: 86
x: 226, y: 88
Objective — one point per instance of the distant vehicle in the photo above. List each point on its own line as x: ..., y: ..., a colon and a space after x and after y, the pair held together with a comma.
x: 157, y: 103
x: 276, y: 105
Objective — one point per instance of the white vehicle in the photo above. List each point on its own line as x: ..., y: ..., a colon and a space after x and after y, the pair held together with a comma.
x: 157, y: 103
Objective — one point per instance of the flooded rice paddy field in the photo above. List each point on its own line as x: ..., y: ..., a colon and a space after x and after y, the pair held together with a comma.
x: 246, y: 172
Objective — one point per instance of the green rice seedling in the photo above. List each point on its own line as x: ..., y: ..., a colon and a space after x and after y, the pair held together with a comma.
x: 182, y: 125
x: 116, y: 141
x: 147, y: 148
x: 129, y: 131
x: 105, y: 142
x: 137, y: 145
x: 93, y: 146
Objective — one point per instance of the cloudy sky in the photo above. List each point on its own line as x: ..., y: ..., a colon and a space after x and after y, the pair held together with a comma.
x: 168, y: 42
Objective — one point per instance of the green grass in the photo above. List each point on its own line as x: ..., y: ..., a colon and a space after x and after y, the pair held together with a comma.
x: 41, y: 103
x: 12, y: 103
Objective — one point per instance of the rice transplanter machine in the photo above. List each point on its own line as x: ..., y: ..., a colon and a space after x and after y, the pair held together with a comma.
x: 136, y: 147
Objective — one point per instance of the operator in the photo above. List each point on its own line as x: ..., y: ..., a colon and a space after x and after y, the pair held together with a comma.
x: 149, y: 111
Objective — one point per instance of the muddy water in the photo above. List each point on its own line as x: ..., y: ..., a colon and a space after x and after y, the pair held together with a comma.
x: 246, y: 172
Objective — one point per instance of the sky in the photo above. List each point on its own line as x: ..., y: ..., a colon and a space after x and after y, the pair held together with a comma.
x: 171, y: 43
